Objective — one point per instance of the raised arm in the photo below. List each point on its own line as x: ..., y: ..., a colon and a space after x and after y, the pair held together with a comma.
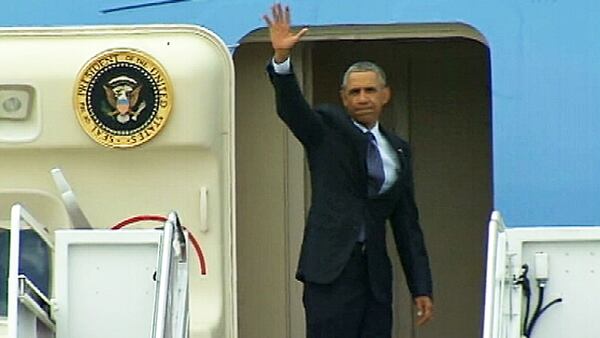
x: 292, y: 107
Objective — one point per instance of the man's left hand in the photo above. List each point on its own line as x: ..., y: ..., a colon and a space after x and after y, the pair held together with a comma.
x: 424, y: 306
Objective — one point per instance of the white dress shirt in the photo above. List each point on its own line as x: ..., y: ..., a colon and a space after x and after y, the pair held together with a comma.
x: 282, y: 68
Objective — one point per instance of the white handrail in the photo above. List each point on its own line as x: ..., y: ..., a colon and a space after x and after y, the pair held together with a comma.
x: 493, y: 301
x: 171, y: 318
x: 19, y: 216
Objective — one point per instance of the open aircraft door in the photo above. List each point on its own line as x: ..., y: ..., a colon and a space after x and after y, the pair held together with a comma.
x: 140, y: 121
x: 542, y: 281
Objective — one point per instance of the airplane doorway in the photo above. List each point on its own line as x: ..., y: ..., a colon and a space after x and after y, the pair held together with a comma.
x: 442, y: 105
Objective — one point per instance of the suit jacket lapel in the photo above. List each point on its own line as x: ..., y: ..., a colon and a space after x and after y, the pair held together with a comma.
x: 338, y: 118
x: 358, y: 141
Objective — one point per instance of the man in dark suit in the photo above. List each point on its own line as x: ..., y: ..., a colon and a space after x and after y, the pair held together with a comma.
x: 360, y: 178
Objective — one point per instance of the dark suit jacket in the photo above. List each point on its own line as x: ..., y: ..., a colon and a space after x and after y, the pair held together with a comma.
x: 336, y: 152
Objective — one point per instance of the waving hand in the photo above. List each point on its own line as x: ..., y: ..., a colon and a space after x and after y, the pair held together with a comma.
x: 282, y: 37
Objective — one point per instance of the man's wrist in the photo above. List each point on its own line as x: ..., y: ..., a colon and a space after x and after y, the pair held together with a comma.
x: 281, y: 55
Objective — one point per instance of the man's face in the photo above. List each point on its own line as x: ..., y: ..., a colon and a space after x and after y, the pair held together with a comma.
x: 364, y: 97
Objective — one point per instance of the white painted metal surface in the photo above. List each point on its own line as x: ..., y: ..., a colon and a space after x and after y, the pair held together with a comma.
x: 115, y: 184
x: 105, y: 282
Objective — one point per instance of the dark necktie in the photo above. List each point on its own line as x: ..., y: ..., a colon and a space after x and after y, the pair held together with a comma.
x: 374, y: 167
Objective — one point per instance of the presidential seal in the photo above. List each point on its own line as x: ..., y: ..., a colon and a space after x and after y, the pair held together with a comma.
x: 123, y: 98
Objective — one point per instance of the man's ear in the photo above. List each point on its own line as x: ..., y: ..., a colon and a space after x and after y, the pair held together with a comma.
x: 343, y: 97
x: 387, y: 94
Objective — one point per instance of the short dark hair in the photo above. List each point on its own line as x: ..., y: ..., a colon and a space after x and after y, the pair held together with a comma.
x: 364, y: 66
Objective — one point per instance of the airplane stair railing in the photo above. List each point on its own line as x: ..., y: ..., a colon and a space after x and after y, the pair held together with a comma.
x: 28, y: 302
x: 541, y: 281
x: 130, y: 283
x: 171, y: 312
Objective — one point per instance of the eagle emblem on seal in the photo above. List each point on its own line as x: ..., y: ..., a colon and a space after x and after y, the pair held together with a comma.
x: 122, y: 94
